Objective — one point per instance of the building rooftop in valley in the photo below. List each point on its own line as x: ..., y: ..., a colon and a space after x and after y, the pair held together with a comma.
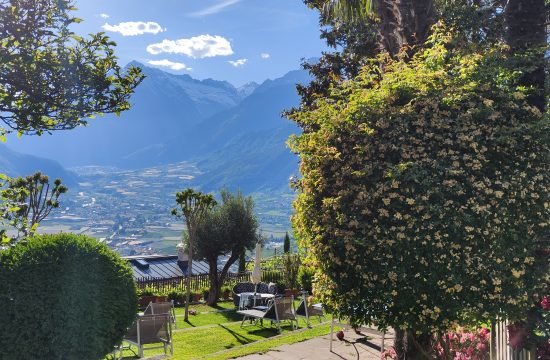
x: 166, y: 266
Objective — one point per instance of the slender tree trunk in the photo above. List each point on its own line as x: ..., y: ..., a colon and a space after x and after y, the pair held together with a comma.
x: 526, y: 35
x: 404, y: 23
x: 217, y: 279
x: 189, y: 271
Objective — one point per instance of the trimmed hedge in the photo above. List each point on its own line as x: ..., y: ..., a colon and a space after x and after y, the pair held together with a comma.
x: 63, y: 296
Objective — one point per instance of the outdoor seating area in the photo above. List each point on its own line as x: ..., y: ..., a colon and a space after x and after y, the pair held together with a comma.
x: 217, y: 332
x: 276, y: 311
x: 250, y: 288
x: 148, y: 330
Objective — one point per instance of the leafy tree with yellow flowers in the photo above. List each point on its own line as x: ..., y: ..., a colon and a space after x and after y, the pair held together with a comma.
x: 424, y: 187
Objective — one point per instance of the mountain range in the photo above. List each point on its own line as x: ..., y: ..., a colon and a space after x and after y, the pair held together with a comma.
x: 235, y: 136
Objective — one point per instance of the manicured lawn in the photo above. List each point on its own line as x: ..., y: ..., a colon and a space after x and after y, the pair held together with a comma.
x: 266, y: 345
x: 213, y: 331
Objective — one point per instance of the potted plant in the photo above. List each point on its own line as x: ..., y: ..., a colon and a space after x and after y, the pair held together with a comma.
x: 146, y: 295
x: 195, y: 297
x: 291, y: 266
x: 226, y: 292
x: 178, y: 297
x: 205, y: 293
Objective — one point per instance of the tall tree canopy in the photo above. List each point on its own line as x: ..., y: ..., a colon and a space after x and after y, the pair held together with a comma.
x: 50, y: 78
x: 228, y: 229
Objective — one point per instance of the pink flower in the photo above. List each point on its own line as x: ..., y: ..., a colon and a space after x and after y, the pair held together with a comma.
x: 483, y: 332
x: 481, y: 347
x: 545, y: 303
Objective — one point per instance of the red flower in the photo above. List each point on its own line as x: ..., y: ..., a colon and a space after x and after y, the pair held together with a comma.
x: 545, y: 303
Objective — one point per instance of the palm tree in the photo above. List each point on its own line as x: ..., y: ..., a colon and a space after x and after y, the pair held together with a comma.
x: 403, y: 23
x: 192, y: 205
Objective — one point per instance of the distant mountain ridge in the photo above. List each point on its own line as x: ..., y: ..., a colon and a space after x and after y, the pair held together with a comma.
x: 236, y: 135
x: 15, y: 164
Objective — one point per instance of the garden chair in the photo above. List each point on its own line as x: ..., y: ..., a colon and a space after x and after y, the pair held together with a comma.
x: 278, y: 309
x: 148, y: 330
x: 307, y: 310
x: 166, y: 307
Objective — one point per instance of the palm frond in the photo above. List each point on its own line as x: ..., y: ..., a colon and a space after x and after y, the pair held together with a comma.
x: 350, y: 10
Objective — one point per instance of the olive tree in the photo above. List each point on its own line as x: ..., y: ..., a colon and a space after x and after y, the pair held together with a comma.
x: 228, y: 229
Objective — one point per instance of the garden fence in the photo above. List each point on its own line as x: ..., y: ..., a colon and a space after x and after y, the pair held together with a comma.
x: 500, y: 345
x: 202, y: 281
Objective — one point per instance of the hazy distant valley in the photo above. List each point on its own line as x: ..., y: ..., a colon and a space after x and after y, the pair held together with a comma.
x: 181, y: 132
x: 130, y: 209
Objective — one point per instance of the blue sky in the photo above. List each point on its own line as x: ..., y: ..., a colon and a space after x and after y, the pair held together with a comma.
x: 234, y: 40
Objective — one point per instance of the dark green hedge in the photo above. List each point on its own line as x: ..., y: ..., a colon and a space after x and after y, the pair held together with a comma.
x: 63, y: 296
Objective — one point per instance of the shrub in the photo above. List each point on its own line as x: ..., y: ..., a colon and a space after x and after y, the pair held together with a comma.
x: 178, y: 296
x: 291, y: 265
x: 63, y: 296
x: 305, y: 277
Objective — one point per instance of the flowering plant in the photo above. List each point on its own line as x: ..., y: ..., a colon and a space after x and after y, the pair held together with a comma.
x: 458, y: 345
x: 424, y: 189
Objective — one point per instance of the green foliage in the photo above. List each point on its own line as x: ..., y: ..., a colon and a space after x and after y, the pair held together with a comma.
x: 286, y: 244
x: 29, y: 200
x: 424, y: 189
x: 63, y: 297
x: 53, y: 79
x: 193, y: 205
x: 291, y: 266
x: 229, y: 228
x: 305, y: 277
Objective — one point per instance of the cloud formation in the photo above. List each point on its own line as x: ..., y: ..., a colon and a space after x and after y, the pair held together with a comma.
x: 265, y: 55
x: 169, y: 64
x: 214, y: 9
x: 201, y: 46
x: 238, y: 63
x: 133, y: 28
x: 105, y: 16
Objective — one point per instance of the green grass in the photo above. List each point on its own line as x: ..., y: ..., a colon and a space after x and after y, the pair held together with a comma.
x: 216, y: 333
x: 265, y: 345
x: 202, y: 308
x: 203, y: 319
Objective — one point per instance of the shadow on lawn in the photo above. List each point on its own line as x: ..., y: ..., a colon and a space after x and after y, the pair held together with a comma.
x: 241, y: 339
x: 222, y: 317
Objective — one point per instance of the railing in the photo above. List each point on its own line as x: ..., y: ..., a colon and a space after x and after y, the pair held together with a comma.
x: 500, y: 348
x: 202, y: 281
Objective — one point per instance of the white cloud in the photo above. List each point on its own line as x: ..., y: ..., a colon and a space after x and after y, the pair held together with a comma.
x: 133, y: 28
x: 201, y: 46
x: 170, y: 64
x: 214, y: 9
x: 105, y: 16
x: 238, y: 63
x: 265, y: 55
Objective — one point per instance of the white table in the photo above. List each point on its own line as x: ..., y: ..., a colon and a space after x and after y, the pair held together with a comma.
x: 260, y: 296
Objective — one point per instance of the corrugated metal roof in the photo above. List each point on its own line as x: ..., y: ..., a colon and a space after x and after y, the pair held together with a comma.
x: 165, y: 267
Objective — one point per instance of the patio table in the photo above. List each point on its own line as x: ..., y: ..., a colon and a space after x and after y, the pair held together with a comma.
x: 262, y: 297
